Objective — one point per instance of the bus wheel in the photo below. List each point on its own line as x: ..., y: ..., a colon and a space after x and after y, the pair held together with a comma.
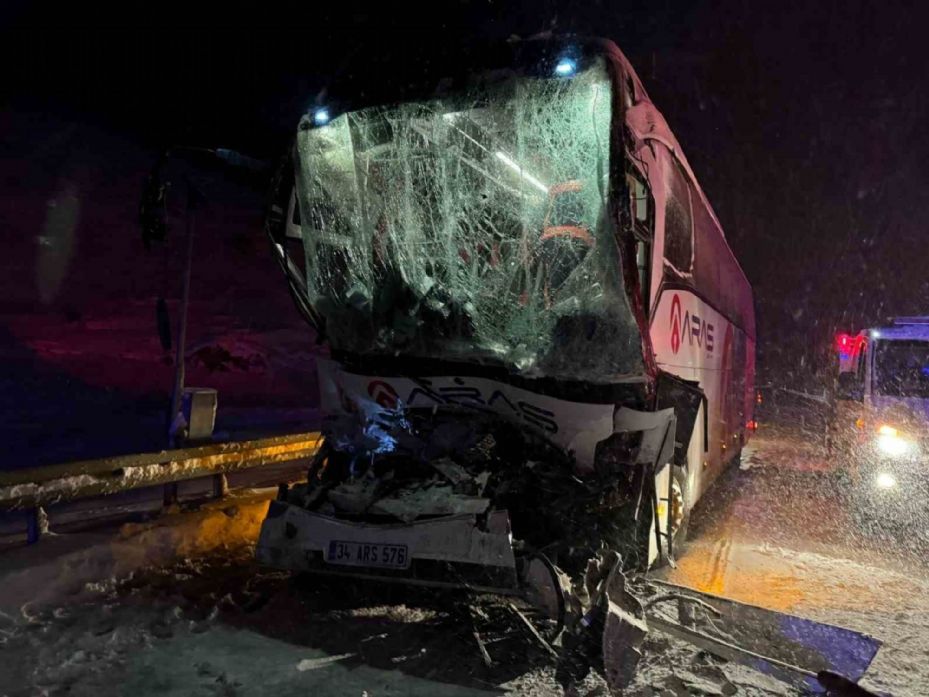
x: 678, y: 512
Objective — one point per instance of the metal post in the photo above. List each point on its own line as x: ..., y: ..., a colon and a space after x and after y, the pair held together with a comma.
x: 667, y: 524
x: 33, y: 530
x: 170, y: 490
x: 36, y: 524
x: 220, y: 485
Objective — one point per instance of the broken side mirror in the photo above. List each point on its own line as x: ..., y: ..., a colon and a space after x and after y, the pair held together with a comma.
x: 849, y: 387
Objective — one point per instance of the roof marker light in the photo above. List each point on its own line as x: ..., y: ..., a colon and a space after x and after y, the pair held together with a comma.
x: 566, y: 67
x: 321, y: 116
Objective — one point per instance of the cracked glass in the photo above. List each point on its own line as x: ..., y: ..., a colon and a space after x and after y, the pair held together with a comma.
x: 472, y: 227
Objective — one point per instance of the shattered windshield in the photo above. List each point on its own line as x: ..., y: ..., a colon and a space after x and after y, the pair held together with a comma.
x: 901, y: 368
x: 472, y: 227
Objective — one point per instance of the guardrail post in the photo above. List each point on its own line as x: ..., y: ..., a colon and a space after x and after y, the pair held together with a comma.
x: 170, y: 494
x: 220, y: 485
x: 36, y: 524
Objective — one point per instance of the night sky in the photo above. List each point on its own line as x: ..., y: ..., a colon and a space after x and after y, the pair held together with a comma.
x: 804, y: 122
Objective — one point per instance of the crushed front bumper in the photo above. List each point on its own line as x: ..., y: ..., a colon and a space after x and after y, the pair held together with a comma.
x: 450, y: 551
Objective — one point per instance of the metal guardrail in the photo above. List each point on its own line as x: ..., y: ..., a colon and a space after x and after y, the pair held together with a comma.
x: 31, y: 488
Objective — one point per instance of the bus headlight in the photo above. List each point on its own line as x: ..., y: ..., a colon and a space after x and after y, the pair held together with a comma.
x: 891, y: 442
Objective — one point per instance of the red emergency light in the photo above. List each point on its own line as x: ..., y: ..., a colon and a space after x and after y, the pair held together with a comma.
x: 849, y: 344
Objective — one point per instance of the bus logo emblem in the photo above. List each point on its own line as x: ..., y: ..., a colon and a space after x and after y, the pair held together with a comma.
x: 675, y: 324
x: 383, y: 394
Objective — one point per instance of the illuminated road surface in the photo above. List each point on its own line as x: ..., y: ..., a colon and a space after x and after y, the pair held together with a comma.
x: 777, y: 533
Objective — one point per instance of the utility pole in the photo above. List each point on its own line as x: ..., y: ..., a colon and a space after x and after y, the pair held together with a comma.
x: 177, y: 395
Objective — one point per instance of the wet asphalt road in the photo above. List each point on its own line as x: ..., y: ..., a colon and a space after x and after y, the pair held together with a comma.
x: 781, y: 532
x: 788, y: 497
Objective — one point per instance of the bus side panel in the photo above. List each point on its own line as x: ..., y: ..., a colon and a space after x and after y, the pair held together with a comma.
x: 702, y: 317
x: 749, y: 412
x: 694, y: 341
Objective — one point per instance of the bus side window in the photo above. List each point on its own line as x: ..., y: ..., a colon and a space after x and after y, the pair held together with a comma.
x: 678, y: 225
x: 641, y: 209
x: 629, y: 92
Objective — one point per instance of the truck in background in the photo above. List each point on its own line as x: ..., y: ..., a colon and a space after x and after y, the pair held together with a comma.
x: 879, y: 431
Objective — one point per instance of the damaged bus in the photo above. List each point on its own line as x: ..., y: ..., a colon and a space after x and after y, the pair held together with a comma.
x: 541, y: 345
x: 541, y: 354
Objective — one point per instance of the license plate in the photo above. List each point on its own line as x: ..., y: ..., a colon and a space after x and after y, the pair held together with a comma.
x: 384, y: 556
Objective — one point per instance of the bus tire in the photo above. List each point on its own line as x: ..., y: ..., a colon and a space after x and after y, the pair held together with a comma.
x: 680, y: 512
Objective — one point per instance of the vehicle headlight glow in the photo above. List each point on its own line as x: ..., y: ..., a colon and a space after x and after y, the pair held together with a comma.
x: 885, y: 481
x: 890, y: 442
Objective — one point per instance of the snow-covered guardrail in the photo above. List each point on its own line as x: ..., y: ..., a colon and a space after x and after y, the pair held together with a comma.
x: 30, y: 488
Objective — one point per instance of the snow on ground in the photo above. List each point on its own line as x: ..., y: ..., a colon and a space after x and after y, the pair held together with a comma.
x: 220, y: 626
x: 111, y: 649
x: 892, y: 606
x: 63, y: 567
x: 178, y: 607
x: 779, y: 534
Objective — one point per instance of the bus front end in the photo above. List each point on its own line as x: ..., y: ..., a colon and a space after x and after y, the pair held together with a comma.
x: 488, y: 401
